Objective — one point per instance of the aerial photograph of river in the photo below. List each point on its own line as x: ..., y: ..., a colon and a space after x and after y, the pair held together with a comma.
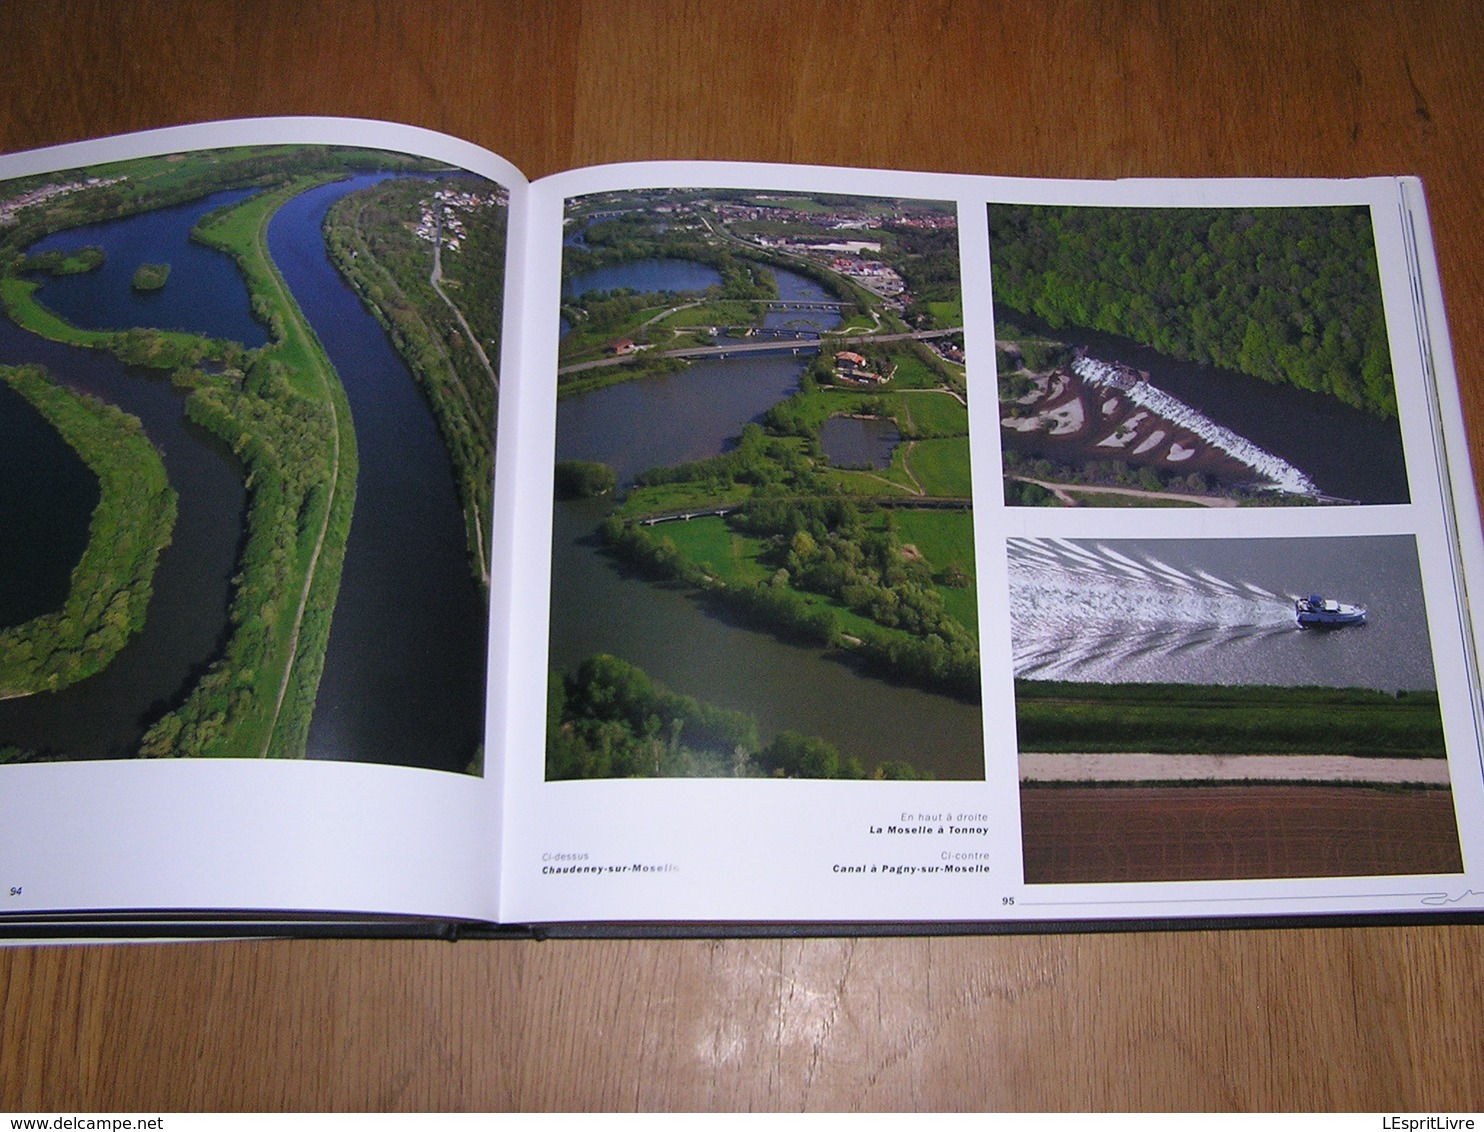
x: 763, y: 553
x: 264, y: 320
x: 1193, y: 357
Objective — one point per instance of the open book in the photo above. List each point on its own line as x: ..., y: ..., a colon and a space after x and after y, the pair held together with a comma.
x: 389, y: 543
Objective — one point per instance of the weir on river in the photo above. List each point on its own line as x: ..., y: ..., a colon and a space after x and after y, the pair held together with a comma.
x: 1275, y: 471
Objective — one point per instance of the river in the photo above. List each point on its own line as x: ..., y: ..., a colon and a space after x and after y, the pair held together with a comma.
x: 599, y: 607
x: 46, y: 496
x: 1218, y: 611
x: 104, y: 716
x: 404, y: 676
x: 1348, y: 453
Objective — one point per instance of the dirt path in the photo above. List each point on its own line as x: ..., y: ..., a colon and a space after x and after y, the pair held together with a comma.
x: 1077, y: 767
x: 1063, y: 492
x: 435, y: 280
x: 297, y: 323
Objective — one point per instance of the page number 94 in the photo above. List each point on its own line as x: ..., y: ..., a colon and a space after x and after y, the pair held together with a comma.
x: 15, y: 890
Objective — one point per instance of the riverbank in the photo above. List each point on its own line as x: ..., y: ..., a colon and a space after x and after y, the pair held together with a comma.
x: 398, y: 277
x: 280, y: 408
x: 302, y: 497
x: 111, y: 585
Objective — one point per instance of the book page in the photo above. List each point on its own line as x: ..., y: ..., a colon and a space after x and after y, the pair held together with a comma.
x: 251, y: 377
x: 936, y: 548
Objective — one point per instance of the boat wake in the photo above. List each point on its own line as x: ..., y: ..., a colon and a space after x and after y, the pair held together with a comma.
x: 1087, y: 611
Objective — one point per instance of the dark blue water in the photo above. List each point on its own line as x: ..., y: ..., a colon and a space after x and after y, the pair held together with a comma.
x: 1350, y: 454
x: 104, y: 716
x: 47, y: 495
x: 644, y: 276
x: 853, y: 443
x: 404, y: 677
x: 673, y: 418
x: 204, y: 294
x: 796, y: 288
x: 1217, y: 611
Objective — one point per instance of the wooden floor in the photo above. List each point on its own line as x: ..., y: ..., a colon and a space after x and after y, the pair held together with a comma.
x: 1381, y: 1019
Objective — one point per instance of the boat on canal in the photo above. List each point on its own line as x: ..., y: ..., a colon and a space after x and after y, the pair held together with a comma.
x: 1318, y: 612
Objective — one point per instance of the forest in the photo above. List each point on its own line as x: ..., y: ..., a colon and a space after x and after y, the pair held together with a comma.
x: 1287, y: 295
x: 608, y: 719
x: 882, y: 598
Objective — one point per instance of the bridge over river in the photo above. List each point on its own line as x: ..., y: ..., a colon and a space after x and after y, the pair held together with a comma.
x: 895, y: 502
x: 760, y: 346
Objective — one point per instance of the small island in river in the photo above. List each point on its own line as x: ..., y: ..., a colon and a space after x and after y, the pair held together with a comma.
x: 150, y: 276
x: 262, y: 384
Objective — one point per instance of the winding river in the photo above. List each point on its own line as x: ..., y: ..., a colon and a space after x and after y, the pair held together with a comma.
x: 598, y: 607
x: 404, y: 676
x: 104, y: 716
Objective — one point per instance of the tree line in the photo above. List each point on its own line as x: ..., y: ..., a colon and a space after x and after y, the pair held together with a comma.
x: 275, y: 414
x: 821, y: 544
x: 1288, y: 295
x: 132, y: 523
x: 608, y: 719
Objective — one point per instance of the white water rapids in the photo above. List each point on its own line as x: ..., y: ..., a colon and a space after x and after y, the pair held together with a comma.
x: 1278, y: 472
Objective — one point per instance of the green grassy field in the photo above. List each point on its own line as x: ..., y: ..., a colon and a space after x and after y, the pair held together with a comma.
x: 947, y: 314
x: 1214, y: 719
x: 727, y: 555
x: 932, y: 414
x: 724, y: 312
x: 941, y: 466
x: 666, y: 498
x: 946, y: 538
x: 891, y: 483
x: 912, y: 372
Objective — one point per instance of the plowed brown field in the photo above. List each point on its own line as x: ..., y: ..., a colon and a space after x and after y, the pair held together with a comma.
x: 1144, y: 833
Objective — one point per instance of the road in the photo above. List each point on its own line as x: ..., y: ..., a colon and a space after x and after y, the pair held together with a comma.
x: 1329, y: 769
x: 743, y: 347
